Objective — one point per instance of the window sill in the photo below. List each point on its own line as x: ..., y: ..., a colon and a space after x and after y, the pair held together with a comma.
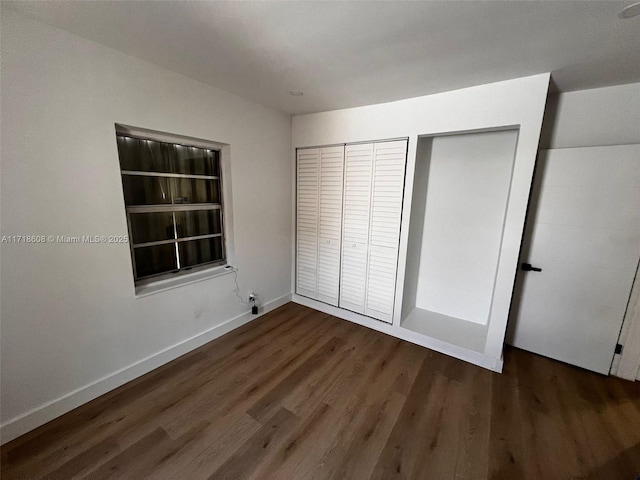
x: 171, y: 283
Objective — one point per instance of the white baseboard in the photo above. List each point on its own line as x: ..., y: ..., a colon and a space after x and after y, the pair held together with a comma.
x: 470, y: 356
x: 44, y: 413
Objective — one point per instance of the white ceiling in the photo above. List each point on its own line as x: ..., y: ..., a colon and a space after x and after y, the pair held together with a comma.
x: 344, y: 54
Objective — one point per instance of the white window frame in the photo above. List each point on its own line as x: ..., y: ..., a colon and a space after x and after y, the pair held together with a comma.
x: 170, y: 280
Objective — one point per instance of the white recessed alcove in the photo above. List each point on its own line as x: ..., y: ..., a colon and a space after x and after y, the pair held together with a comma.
x: 460, y: 196
x: 470, y: 160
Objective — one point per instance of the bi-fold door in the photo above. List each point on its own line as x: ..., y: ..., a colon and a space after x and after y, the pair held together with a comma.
x: 355, y: 230
x: 349, y: 211
x: 373, y: 193
x: 389, y: 160
x: 307, y: 222
x: 319, y: 222
x: 330, y: 223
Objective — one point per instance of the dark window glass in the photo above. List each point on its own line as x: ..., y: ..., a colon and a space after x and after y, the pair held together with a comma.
x: 151, y: 227
x: 142, y: 190
x: 145, y: 155
x: 194, y: 252
x: 193, y: 190
x: 198, y: 222
x: 196, y: 161
x: 155, y: 260
x: 169, y: 180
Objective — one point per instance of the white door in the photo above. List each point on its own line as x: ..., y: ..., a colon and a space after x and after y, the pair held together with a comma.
x: 358, y: 164
x: 330, y: 223
x: 584, y: 235
x: 389, y: 160
x: 307, y: 222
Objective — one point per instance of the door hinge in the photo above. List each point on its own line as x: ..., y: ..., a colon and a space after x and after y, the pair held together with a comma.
x: 618, y: 348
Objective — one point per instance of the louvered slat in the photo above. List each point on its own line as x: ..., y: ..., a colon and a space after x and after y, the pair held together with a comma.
x: 388, y: 186
x: 357, y: 192
x: 307, y: 222
x: 330, y: 223
x: 381, y: 282
x: 355, y: 230
x: 386, y: 208
x: 354, y: 276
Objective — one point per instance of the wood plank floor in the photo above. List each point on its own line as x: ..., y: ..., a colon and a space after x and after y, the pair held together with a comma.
x: 298, y: 394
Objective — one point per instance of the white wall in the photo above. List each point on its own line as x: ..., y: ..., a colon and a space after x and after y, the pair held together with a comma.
x: 591, y: 118
x: 416, y: 226
x: 69, y: 315
x: 466, y: 200
x: 512, y: 103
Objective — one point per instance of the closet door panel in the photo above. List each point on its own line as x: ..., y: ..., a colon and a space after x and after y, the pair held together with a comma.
x: 388, y: 188
x: 329, y: 270
x: 307, y: 269
x: 307, y: 223
x: 386, y: 209
x: 381, y: 282
x: 331, y: 187
x: 355, y: 231
x: 353, y: 280
x: 330, y: 223
x: 357, y: 193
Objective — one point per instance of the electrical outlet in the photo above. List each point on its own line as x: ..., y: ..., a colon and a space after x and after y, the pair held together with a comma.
x: 252, y: 300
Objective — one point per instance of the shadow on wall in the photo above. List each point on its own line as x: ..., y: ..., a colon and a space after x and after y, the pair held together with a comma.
x: 549, y: 121
x: 546, y: 137
x: 525, y: 248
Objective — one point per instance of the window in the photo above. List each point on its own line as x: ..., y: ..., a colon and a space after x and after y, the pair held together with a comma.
x: 174, y: 204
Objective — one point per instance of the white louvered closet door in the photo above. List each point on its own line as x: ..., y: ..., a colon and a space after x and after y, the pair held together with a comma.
x: 307, y: 222
x: 389, y: 160
x: 330, y: 223
x: 358, y: 166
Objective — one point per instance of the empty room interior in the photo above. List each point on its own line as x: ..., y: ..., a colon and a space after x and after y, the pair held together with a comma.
x: 320, y: 240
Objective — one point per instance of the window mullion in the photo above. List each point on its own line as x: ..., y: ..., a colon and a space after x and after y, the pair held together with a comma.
x: 172, y: 208
x: 140, y: 173
x: 175, y: 236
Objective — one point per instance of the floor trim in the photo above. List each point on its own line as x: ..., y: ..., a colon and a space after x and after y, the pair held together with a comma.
x: 44, y: 413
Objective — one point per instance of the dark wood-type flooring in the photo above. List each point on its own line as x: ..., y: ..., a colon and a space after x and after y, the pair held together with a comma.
x: 298, y: 394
